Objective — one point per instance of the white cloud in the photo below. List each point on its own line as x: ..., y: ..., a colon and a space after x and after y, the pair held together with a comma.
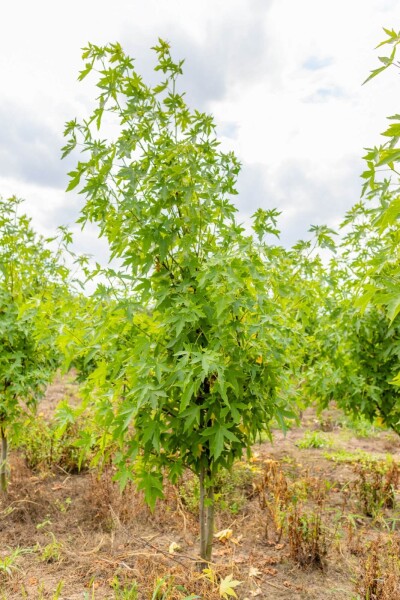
x: 282, y: 77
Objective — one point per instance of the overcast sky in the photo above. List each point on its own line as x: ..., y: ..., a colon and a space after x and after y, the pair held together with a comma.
x: 282, y: 78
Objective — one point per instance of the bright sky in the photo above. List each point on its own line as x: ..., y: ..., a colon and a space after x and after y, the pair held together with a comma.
x: 282, y: 78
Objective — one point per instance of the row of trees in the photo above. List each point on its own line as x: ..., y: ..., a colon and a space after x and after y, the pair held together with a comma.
x: 201, y: 336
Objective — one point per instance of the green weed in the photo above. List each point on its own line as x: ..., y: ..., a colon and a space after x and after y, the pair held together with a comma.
x: 165, y: 589
x: 314, y: 439
x: 124, y: 592
x: 43, y: 445
x: 52, y: 552
x: 358, y: 456
x: 231, y: 489
x: 8, y: 563
x: 361, y: 428
x: 375, y: 486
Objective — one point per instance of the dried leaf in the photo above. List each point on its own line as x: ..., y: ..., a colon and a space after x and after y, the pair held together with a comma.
x: 254, y: 572
x: 223, y: 535
x: 173, y: 547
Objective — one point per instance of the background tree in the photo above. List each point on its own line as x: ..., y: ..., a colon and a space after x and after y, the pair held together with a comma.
x: 355, y: 356
x: 32, y: 277
x: 203, y: 308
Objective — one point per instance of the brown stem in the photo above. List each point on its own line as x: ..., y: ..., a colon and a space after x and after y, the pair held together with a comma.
x: 3, y: 460
x: 202, y: 515
x: 209, y: 523
x: 206, y: 519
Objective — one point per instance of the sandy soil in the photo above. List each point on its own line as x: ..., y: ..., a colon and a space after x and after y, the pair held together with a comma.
x: 76, y: 530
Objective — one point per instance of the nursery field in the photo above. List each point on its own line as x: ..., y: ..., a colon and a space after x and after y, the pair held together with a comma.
x: 229, y: 421
x: 313, y: 515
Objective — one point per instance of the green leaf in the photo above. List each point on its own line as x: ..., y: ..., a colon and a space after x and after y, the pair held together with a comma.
x: 151, y: 484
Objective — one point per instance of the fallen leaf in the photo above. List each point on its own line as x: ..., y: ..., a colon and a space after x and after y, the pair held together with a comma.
x: 237, y: 540
x: 227, y: 585
x: 223, y: 535
x: 254, y: 572
x: 173, y: 547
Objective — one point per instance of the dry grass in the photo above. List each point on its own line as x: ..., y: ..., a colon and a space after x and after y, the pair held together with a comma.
x: 301, y: 511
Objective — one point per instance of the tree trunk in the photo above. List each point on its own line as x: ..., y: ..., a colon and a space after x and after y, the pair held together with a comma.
x: 206, y: 512
x: 3, y: 460
x: 209, y: 523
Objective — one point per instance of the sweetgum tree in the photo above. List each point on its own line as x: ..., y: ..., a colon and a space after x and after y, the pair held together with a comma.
x: 356, y: 347
x: 32, y: 277
x: 371, y: 253
x: 191, y: 342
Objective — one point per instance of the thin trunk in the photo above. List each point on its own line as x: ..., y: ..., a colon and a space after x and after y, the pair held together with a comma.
x: 3, y: 460
x: 206, y: 519
x: 209, y: 523
x: 202, y: 514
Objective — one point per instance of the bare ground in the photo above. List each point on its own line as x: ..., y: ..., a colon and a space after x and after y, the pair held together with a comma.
x: 78, y: 532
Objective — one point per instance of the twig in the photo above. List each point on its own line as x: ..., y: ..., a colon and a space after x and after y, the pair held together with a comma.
x: 181, y: 510
x: 278, y: 587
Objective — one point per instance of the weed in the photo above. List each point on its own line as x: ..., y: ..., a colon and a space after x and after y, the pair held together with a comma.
x: 44, y: 523
x: 314, y: 439
x: 43, y: 595
x: 355, y: 542
x: 164, y: 589
x: 358, y: 456
x: 274, y: 496
x: 44, y: 446
x: 124, y: 592
x: 379, y: 576
x: 360, y: 427
x: 375, y: 486
x: 52, y: 552
x: 8, y: 563
x: 231, y: 489
x: 307, y: 539
x: 63, y: 505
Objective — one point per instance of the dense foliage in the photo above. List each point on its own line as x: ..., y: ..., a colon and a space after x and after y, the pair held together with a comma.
x: 32, y: 276
x: 192, y: 337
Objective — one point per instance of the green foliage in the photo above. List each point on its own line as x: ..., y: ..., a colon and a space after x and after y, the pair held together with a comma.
x: 191, y: 339
x: 52, y: 552
x: 314, y: 439
x: 45, y: 444
x: 354, y: 355
x: 8, y: 563
x: 231, y: 489
x: 32, y: 278
x: 124, y: 592
x: 358, y: 456
x: 164, y: 589
x: 357, y: 357
x: 375, y: 486
x: 360, y: 427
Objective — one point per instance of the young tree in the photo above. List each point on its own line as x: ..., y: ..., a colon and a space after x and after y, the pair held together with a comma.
x: 31, y: 277
x: 382, y: 277
x: 193, y: 350
x: 356, y: 360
